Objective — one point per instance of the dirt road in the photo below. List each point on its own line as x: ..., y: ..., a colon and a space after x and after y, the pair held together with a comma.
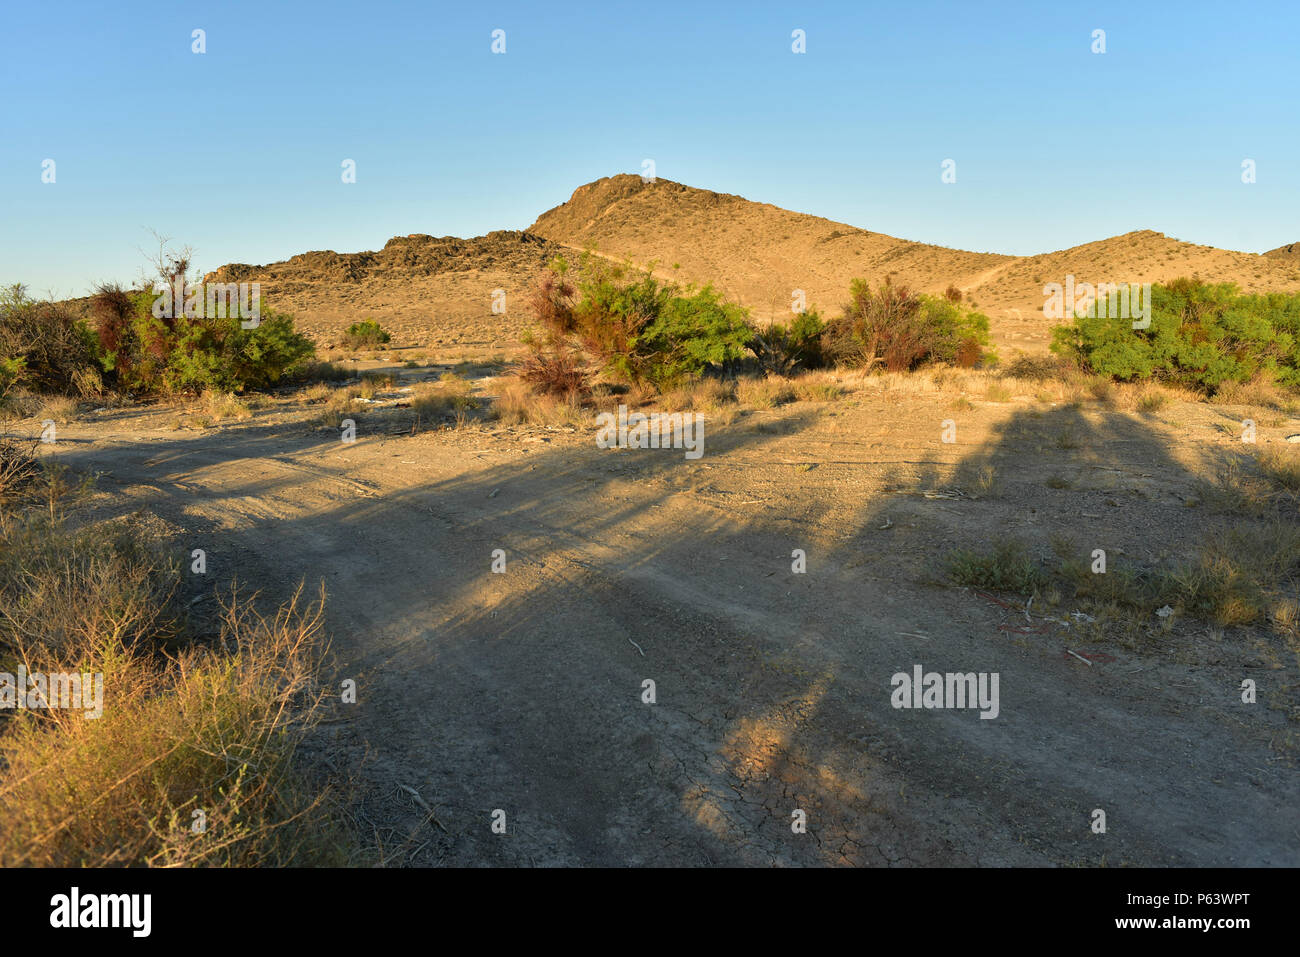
x: 523, y: 691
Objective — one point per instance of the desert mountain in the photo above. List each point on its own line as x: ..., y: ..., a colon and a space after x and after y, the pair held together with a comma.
x: 432, y: 291
x: 759, y: 254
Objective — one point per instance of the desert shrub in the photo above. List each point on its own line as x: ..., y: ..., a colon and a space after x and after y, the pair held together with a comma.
x: 695, y: 331
x: 1202, y: 336
x: 314, y: 370
x: 899, y: 329
x: 43, y: 346
x: 1039, y: 368
x: 144, y: 350
x: 555, y: 369
x: 366, y: 334
x: 552, y: 299
x: 782, y: 348
x: 635, y: 328
x: 19, y: 467
x: 11, y: 373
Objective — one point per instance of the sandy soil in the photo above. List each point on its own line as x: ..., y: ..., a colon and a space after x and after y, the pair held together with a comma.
x: 522, y: 691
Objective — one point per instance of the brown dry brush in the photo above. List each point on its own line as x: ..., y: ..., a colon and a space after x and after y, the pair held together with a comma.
x: 552, y: 301
x: 553, y: 367
x: 54, y: 344
x: 883, y: 326
x: 185, y: 727
x: 19, y: 467
x: 212, y: 731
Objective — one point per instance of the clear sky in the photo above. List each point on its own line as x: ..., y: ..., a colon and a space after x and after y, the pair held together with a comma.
x: 238, y: 151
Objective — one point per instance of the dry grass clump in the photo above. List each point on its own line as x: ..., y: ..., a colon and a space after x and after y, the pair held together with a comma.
x: 318, y: 392
x: 180, y: 759
x: 1234, y: 487
x: 1150, y: 400
x: 1040, y: 368
x: 451, y: 397
x: 225, y: 405
x: 191, y: 762
x: 372, y: 383
x: 998, y: 391
x: 340, y: 404
x: 317, y: 370
x: 1246, y: 574
x: 1242, y: 573
x: 519, y: 405
x: 58, y: 408
x: 765, y: 393
x: 1281, y: 467
x: 1262, y: 391
x: 816, y: 387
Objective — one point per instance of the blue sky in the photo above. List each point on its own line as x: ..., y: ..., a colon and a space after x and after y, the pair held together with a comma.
x: 237, y: 151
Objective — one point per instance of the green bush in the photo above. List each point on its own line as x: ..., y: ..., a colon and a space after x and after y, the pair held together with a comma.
x: 365, y: 334
x: 143, y: 352
x: 958, y: 335
x: 899, y: 329
x: 782, y: 348
x: 639, y: 329
x: 1201, y: 336
x: 692, y: 333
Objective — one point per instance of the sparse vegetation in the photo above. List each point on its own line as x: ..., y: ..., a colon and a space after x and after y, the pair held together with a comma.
x: 211, y: 728
x: 451, y: 397
x: 365, y: 334
x: 1007, y: 567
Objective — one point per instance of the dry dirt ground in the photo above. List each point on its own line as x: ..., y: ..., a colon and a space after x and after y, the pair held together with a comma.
x: 522, y: 691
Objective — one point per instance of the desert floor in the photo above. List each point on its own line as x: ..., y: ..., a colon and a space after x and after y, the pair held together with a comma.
x: 522, y: 691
